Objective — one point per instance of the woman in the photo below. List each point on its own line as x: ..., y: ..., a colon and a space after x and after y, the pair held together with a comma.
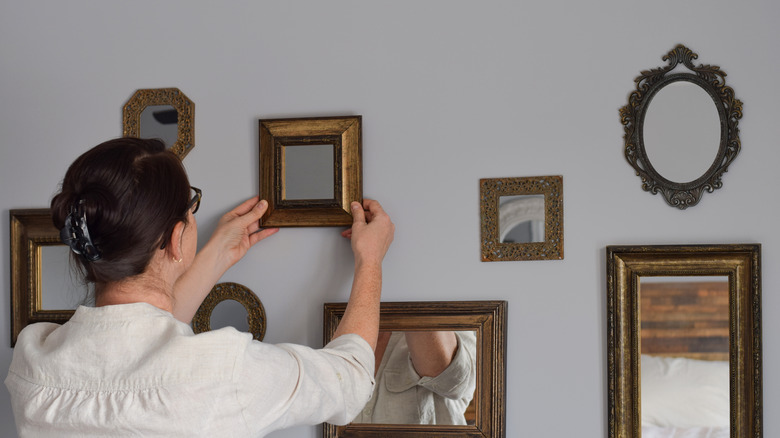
x: 131, y: 365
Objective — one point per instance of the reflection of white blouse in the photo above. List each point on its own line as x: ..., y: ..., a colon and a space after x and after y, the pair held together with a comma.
x: 134, y: 370
x: 401, y: 396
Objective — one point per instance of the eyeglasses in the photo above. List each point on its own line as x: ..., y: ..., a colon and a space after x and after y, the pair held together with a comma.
x: 194, y: 203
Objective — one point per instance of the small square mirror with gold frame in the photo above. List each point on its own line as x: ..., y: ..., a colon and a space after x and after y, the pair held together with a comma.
x: 522, y: 218
x: 310, y: 170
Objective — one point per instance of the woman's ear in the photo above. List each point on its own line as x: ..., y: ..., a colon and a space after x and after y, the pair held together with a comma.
x: 175, y: 244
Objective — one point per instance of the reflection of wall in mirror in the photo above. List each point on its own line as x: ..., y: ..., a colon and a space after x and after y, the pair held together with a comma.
x: 61, y: 288
x: 685, y: 318
x: 521, y: 218
x: 160, y: 121
x: 308, y: 172
x: 401, y: 396
x: 229, y: 313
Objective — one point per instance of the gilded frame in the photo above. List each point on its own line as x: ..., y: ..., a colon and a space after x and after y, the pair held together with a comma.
x: 256, y: 318
x: 185, y: 108
x: 487, y: 318
x: 713, y: 80
x: 742, y: 264
x: 344, y: 133
x: 31, y: 230
x: 491, y: 190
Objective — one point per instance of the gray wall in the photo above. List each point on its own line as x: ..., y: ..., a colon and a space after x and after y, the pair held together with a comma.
x: 450, y: 92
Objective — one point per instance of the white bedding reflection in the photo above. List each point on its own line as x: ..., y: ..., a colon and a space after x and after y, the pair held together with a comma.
x: 684, y: 432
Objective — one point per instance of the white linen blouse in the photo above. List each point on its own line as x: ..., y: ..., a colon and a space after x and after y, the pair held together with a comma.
x: 134, y: 370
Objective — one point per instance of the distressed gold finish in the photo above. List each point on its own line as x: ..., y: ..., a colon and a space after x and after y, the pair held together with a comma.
x: 713, y: 80
x: 185, y: 108
x: 742, y: 265
x: 491, y: 189
x: 31, y: 230
x: 487, y: 318
x: 344, y: 133
x: 201, y: 322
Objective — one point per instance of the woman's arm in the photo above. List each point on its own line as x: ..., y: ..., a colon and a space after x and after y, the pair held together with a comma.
x: 236, y: 232
x: 371, y: 234
x: 431, y: 352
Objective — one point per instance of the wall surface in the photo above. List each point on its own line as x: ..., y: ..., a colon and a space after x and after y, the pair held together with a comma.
x: 450, y: 92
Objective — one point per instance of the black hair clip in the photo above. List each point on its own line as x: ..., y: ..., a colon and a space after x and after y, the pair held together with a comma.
x: 76, y: 235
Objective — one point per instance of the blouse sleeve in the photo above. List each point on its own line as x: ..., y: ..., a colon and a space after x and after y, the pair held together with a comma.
x: 459, y: 379
x: 284, y: 385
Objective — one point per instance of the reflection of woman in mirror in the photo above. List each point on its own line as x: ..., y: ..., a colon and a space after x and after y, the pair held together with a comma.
x: 422, y: 377
x: 131, y: 365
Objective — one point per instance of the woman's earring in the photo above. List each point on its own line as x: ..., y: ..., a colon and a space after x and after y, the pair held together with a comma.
x: 177, y: 261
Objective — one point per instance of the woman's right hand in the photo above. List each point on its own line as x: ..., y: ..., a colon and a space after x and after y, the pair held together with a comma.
x: 371, y: 233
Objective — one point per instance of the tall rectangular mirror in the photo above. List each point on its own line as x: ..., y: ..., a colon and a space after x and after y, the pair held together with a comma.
x: 684, y: 341
x: 465, y: 399
x: 42, y: 289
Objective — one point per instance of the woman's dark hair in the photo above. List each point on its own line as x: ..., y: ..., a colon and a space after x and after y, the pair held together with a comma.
x: 132, y: 193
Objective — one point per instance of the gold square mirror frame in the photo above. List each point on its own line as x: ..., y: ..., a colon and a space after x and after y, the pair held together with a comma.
x: 344, y: 135
x: 494, y: 248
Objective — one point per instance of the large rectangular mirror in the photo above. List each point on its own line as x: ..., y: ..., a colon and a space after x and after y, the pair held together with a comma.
x: 469, y: 400
x: 42, y: 289
x: 684, y: 341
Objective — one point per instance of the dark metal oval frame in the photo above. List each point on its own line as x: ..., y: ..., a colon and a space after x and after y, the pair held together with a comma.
x: 201, y: 322
x: 713, y: 80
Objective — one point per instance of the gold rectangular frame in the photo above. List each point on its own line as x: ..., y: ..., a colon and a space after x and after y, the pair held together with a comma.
x: 491, y: 189
x: 345, y: 135
x: 31, y: 229
x: 742, y: 264
x: 487, y: 318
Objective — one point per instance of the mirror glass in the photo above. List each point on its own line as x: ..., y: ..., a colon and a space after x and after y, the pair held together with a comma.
x: 59, y: 288
x: 681, y: 131
x: 521, y: 218
x: 424, y: 377
x: 684, y: 344
x: 308, y: 172
x: 230, y: 313
x: 160, y: 121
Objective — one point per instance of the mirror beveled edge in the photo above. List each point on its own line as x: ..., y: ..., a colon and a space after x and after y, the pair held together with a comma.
x: 491, y: 190
x: 487, y: 318
x: 713, y: 80
x: 345, y: 133
x: 31, y: 229
x: 185, y: 108
x: 255, y: 311
x: 742, y: 264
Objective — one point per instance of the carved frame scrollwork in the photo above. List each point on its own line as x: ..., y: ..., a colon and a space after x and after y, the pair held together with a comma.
x: 201, y: 322
x: 492, y: 189
x: 713, y: 80
x: 185, y: 109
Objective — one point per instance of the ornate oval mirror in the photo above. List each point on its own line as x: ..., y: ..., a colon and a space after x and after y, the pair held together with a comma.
x: 164, y: 113
x: 231, y: 304
x: 680, y: 128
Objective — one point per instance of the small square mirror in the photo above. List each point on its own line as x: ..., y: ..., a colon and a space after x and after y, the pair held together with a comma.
x: 522, y: 218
